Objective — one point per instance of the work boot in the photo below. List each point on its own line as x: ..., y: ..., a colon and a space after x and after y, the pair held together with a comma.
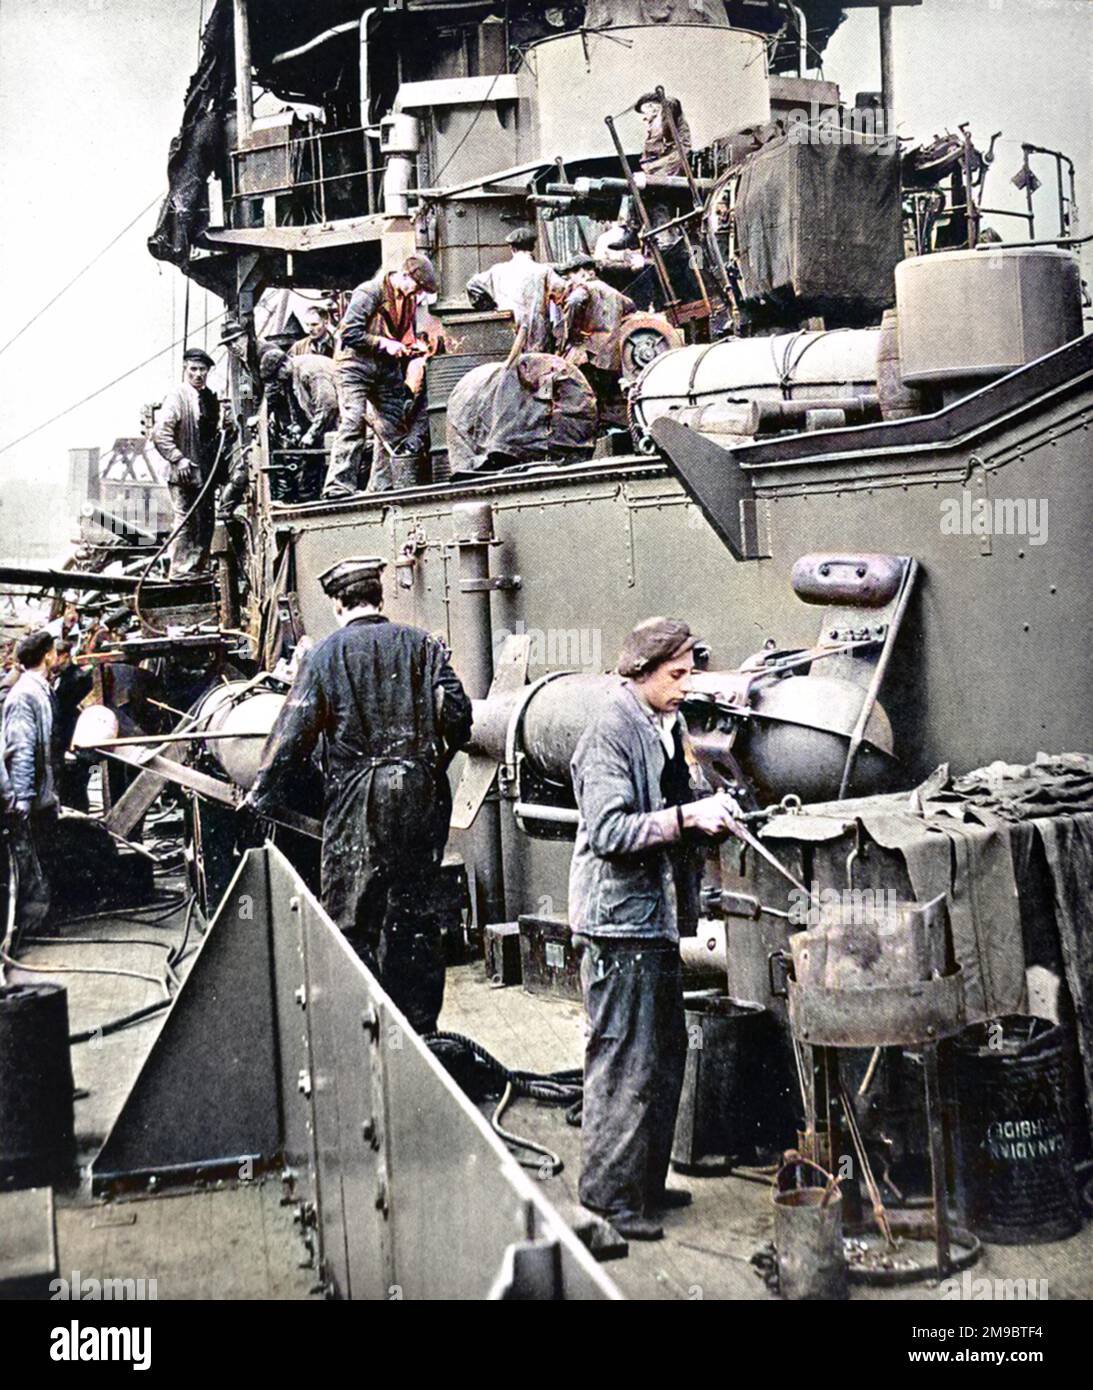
x: 633, y: 1226
x: 671, y: 1198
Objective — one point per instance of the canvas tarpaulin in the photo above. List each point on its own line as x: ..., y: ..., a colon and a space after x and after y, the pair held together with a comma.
x: 197, y: 150
x: 540, y: 408
x: 1011, y: 846
x: 819, y: 227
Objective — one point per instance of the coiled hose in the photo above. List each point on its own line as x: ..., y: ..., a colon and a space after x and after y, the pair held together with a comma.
x: 551, y: 1088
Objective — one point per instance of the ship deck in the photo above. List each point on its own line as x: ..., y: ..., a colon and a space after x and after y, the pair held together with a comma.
x: 239, y: 1242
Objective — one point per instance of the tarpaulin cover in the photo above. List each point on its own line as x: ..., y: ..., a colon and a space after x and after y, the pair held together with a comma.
x: 1012, y: 848
x: 538, y: 409
x: 197, y: 149
x: 819, y: 227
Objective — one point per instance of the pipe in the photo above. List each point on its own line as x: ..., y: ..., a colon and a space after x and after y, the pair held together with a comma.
x: 244, y: 97
x: 887, y: 69
x: 346, y: 28
x: 802, y: 40
x: 473, y: 522
x: 366, y: 112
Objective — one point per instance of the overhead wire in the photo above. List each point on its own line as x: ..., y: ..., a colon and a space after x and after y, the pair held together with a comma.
x: 76, y: 405
x: 80, y: 273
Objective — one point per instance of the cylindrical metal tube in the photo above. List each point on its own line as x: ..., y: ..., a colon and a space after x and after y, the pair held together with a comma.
x: 474, y: 536
x: 244, y: 95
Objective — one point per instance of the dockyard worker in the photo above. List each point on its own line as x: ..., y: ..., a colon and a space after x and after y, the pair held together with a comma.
x: 28, y: 760
x: 187, y: 436
x: 376, y: 339
x: 320, y: 334
x: 633, y: 888
x: 528, y: 288
x: 391, y: 714
x: 71, y: 686
x: 593, y: 313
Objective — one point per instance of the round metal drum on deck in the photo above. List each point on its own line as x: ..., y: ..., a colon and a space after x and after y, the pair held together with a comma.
x: 226, y: 710
x: 37, y: 1144
x: 839, y: 365
x: 1015, y: 1171
x: 980, y: 314
x: 718, y: 73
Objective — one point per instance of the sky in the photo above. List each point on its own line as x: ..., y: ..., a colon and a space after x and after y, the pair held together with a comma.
x: 91, y: 95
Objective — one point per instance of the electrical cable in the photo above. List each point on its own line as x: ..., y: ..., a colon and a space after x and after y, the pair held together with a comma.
x: 76, y: 405
x: 434, y: 179
x: 555, y: 1164
x: 117, y: 1024
x: 193, y: 508
x: 79, y: 274
x: 553, y: 1088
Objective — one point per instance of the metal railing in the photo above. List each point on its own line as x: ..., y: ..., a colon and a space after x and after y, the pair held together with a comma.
x: 304, y: 167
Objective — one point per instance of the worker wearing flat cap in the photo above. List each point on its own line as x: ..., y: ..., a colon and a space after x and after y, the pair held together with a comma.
x: 188, y: 437
x: 391, y: 714
x: 377, y: 339
x: 633, y: 889
x: 528, y: 289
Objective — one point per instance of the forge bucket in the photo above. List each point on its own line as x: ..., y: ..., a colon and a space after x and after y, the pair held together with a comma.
x: 808, y: 1236
x: 1015, y: 1172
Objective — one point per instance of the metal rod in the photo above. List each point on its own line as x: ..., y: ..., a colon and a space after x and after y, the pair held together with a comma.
x: 938, y: 1167
x: 635, y: 193
x: 887, y: 68
x: 243, y: 94
x: 871, y: 694
x: 696, y: 196
x: 154, y: 740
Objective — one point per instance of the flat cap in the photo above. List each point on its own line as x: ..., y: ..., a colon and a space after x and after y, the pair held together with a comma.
x: 581, y: 262
x: 423, y: 273
x: 345, y: 572
x: 196, y: 355
x: 652, y: 642
x: 525, y: 235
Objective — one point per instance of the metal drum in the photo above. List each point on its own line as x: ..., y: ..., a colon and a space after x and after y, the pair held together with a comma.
x: 721, y: 1107
x: 832, y: 366
x: 234, y: 709
x: 37, y: 1143
x: 1015, y: 1173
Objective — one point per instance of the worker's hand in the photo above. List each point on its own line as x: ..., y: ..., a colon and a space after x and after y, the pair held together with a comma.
x: 21, y: 811
x: 184, y: 473
x: 712, y: 815
x: 393, y: 347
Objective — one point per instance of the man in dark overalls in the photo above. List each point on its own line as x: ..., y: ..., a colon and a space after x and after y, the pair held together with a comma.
x: 391, y: 713
x: 633, y: 888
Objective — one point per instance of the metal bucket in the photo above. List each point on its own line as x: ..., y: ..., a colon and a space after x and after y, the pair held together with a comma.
x: 37, y: 1145
x: 1015, y: 1172
x: 722, y: 1102
x: 808, y: 1236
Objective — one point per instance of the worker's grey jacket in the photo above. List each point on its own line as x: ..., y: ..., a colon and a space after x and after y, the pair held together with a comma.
x: 27, y: 736
x: 633, y: 875
x: 186, y: 430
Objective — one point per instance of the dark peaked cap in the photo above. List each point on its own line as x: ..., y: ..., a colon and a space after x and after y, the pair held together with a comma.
x: 339, y: 576
x: 196, y: 355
